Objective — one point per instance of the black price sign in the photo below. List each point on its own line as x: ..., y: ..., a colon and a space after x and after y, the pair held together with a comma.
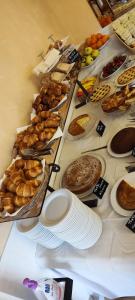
x: 133, y: 151
x: 131, y: 223
x: 100, y: 188
x: 91, y: 203
x: 74, y: 56
x: 100, y: 128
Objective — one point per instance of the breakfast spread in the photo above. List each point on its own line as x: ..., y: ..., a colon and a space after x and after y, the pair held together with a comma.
x: 82, y: 174
x: 127, y: 76
x: 113, y: 66
x: 123, y: 141
x: 79, y: 125
x: 126, y: 195
x: 100, y: 92
x: 20, y: 184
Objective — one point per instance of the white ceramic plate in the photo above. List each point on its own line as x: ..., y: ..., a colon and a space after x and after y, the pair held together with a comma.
x: 104, y: 78
x: 129, y: 178
x: 115, y: 154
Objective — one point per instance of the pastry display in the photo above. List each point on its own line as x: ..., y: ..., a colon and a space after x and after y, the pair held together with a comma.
x: 123, y: 141
x: 51, y: 94
x: 121, y: 100
x: 82, y: 174
x: 88, y: 56
x: 88, y: 83
x: 79, y: 125
x: 126, y: 195
x: 113, y: 66
x: 20, y: 184
x: 96, y: 41
x: 37, y: 135
x: 100, y: 92
x: 127, y: 76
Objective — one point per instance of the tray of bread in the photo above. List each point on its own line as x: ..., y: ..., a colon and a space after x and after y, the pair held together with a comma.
x: 126, y: 77
x: 22, y: 187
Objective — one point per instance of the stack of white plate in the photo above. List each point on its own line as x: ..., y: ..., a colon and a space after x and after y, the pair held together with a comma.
x: 70, y: 220
x: 34, y: 230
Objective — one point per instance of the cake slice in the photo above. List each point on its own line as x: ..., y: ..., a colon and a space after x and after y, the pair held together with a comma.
x: 126, y: 195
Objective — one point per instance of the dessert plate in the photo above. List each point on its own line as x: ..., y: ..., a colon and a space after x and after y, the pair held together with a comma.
x: 130, y: 178
x: 115, y: 154
x: 103, y: 163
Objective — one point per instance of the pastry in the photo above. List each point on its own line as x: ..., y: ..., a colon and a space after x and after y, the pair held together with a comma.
x: 113, y: 102
x: 127, y: 76
x: 63, y: 67
x: 123, y: 141
x: 79, y: 125
x: 100, y: 92
x: 126, y: 195
x: 82, y: 174
x: 57, y: 76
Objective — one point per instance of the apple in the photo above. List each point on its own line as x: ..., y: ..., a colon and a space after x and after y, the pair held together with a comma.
x: 89, y: 60
x: 87, y: 50
x: 83, y: 64
x: 95, y: 53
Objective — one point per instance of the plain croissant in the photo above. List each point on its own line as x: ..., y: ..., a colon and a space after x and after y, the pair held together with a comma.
x: 26, y: 190
x: 34, y: 172
x: 21, y: 201
x: 30, y: 164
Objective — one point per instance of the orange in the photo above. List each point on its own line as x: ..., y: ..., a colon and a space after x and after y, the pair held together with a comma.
x: 99, y: 36
x: 99, y: 44
x: 94, y: 46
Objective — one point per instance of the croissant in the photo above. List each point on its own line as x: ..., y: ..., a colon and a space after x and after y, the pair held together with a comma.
x: 34, y: 172
x: 21, y: 201
x: 51, y: 123
x: 36, y: 120
x: 19, y: 163
x: 9, y: 185
x: 17, y: 177
x: 11, y: 170
x: 35, y: 182
x: 39, y: 127
x: 31, y: 163
x: 37, y: 101
x: 45, y: 114
x: 30, y: 140
x: 39, y: 145
x: 47, y: 134
x: 31, y: 129
x: 1, y: 206
x: 8, y: 205
x: 25, y: 190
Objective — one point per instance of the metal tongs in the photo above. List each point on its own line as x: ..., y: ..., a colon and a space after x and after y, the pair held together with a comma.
x: 86, y: 93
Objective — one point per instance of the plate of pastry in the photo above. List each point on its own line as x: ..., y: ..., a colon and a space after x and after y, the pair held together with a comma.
x: 21, y: 184
x: 81, y: 126
x: 126, y: 77
x: 123, y: 195
x: 81, y: 174
x: 113, y: 66
x: 122, y: 143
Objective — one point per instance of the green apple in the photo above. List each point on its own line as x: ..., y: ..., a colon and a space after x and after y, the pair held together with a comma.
x: 87, y: 50
x: 83, y: 64
x: 95, y: 53
x: 89, y: 60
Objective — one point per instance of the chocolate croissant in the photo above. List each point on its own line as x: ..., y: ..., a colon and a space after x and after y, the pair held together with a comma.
x: 26, y: 190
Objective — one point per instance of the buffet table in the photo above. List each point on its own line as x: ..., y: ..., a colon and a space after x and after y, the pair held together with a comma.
x: 108, y: 268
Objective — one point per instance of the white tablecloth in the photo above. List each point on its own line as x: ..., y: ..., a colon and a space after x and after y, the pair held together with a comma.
x: 108, y: 268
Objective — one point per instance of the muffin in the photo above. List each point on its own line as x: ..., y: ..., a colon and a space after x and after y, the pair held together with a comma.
x: 82, y: 174
x: 123, y: 141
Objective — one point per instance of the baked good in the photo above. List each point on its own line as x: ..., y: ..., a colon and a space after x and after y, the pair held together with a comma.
x: 127, y: 76
x: 126, y: 195
x: 123, y: 141
x: 100, y: 92
x: 113, y: 102
x: 63, y: 67
x: 79, y: 125
x: 57, y: 76
x: 82, y: 174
